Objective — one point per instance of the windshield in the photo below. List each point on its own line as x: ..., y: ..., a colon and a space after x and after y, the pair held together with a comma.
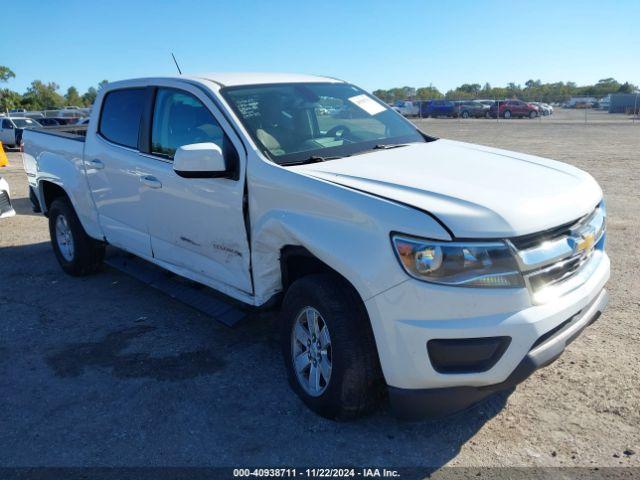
x: 293, y: 123
x: 25, y: 122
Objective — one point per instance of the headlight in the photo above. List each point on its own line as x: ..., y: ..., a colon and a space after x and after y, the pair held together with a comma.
x: 468, y: 264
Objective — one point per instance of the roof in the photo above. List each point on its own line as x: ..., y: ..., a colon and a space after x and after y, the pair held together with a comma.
x: 256, y: 78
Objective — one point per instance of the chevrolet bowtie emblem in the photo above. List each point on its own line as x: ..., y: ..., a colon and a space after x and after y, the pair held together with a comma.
x: 585, y: 242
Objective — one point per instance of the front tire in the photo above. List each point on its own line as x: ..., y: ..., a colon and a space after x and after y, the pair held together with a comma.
x: 77, y: 253
x: 328, y: 348
x: 533, y: 114
x: 507, y: 114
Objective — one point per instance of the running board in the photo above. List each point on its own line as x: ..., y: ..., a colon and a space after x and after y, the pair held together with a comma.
x: 195, y: 295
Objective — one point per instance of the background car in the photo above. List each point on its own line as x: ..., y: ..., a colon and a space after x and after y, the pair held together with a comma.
x: 66, y: 120
x: 513, y: 108
x: 604, y: 102
x: 469, y: 108
x: 407, y: 108
x: 437, y: 108
x: 543, y: 108
x: 11, y: 129
x: 488, y: 103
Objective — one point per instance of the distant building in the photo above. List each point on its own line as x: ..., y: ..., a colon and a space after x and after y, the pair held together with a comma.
x: 624, y: 102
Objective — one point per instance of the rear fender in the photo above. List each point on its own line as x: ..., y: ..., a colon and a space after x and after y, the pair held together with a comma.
x: 69, y: 175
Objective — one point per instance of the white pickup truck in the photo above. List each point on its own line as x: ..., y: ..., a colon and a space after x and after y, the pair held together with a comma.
x: 434, y: 270
x: 407, y: 108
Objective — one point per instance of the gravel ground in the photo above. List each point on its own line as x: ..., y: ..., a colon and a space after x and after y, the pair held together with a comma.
x: 104, y: 371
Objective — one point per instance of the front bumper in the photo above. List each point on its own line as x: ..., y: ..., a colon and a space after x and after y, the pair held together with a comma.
x: 438, y: 402
x: 405, y: 318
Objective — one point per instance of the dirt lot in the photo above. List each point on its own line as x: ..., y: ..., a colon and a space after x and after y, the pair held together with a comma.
x: 106, y: 371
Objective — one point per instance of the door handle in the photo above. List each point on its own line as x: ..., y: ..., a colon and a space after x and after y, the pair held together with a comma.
x: 97, y: 164
x: 150, y: 181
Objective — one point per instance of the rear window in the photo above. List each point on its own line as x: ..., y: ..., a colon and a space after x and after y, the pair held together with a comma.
x: 120, y: 116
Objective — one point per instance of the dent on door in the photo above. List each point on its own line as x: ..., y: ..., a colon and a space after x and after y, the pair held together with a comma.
x: 197, y: 224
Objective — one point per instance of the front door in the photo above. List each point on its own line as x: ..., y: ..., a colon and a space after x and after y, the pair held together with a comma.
x: 114, y: 173
x: 195, y: 224
x: 7, y: 133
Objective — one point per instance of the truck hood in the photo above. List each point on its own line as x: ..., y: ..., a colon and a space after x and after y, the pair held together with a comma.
x: 476, y: 191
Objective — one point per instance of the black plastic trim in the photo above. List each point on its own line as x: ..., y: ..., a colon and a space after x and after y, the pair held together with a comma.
x: 144, y: 132
x: 211, y: 174
x: 466, y: 355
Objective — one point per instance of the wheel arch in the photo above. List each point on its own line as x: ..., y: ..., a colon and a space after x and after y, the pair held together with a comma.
x: 49, y: 190
x: 297, y: 261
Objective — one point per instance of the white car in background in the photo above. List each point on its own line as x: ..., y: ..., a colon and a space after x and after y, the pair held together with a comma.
x: 407, y: 108
x: 6, y: 209
x: 544, y: 108
x: 11, y: 129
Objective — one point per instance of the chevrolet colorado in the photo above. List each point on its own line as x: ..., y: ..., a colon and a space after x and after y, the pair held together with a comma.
x: 434, y: 270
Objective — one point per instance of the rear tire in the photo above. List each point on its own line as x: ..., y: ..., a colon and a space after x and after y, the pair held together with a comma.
x: 77, y: 253
x: 349, y: 358
x: 507, y: 114
x: 465, y: 114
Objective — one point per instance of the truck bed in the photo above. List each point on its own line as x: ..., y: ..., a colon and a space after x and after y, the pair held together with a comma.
x: 74, y: 132
x: 47, y: 146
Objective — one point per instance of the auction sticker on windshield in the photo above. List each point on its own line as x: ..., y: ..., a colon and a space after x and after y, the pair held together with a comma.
x: 367, y: 104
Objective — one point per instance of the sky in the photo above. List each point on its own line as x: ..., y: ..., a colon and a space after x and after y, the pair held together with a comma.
x: 373, y: 44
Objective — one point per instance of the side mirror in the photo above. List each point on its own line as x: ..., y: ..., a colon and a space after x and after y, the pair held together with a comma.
x: 200, y: 160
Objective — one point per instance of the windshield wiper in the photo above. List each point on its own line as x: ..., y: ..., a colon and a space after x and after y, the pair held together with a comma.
x: 314, y: 159
x: 387, y: 146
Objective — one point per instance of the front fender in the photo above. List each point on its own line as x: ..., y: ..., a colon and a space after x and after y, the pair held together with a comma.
x: 346, y: 229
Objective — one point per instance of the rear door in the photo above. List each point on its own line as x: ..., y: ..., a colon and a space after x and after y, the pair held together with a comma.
x: 520, y: 108
x: 195, y: 224
x: 113, y: 170
x: 447, y: 108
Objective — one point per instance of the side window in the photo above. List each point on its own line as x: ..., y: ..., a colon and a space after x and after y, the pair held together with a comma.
x: 6, y: 124
x: 120, y: 116
x: 180, y: 119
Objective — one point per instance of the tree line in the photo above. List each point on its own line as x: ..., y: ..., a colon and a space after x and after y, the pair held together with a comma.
x: 43, y: 96
x: 533, y: 90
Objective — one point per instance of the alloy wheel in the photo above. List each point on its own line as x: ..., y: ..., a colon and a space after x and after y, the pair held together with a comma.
x: 311, y: 351
x: 64, y: 238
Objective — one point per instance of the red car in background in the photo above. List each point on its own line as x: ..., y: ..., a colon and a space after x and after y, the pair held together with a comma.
x: 513, y: 108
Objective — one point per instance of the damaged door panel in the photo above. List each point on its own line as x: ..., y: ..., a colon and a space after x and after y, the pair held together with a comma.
x: 195, y: 223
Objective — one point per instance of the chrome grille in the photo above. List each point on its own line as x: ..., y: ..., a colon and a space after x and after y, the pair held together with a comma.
x: 552, y: 258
